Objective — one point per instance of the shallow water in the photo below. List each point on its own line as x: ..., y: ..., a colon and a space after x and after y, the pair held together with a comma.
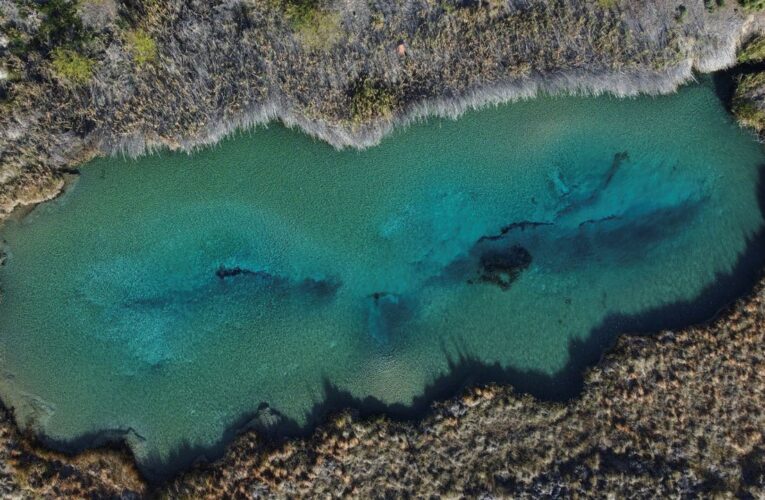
x: 173, y: 294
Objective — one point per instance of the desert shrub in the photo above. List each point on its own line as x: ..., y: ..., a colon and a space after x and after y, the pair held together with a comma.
x: 370, y: 101
x: 71, y: 66
x: 60, y: 38
x: 142, y: 47
x: 752, y: 4
x: 315, y: 26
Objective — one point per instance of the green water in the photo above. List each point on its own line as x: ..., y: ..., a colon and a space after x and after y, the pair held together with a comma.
x: 173, y: 294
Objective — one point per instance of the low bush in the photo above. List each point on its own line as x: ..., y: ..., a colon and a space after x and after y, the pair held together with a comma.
x: 371, y: 101
x: 315, y: 26
x: 142, y: 47
x: 752, y: 4
x: 71, y: 66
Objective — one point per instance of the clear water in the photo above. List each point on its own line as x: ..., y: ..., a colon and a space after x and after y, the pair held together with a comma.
x: 173, y: 294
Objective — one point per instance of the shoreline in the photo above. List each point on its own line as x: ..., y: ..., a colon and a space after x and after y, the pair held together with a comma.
x: 645, y: 84
x: 619, y: 85
x: 104, y: 119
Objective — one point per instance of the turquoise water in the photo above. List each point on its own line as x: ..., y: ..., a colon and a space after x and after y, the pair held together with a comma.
x: 173, y: 294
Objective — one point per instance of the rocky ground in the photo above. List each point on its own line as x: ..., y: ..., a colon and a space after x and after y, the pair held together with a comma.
x: 679, y: 412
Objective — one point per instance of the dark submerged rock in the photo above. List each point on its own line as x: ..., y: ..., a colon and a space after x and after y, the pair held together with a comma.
x: 502, y: 268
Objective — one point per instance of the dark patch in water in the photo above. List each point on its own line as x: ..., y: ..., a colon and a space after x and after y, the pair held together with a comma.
x: 230, y: 272
x: 619, y: 158
x: 626, y: 238
x: 502, y: 267
x: 385, y: 313
x: 319, y: 287
x: 523, y: 225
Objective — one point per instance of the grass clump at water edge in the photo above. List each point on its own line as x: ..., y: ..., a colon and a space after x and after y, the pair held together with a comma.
x: 753, y: 51
x: 371, y: 100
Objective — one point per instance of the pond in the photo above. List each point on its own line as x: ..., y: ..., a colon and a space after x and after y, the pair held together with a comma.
x: 171, y: 299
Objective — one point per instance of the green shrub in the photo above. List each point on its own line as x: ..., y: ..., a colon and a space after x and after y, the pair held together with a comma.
x: 749, y: 115
x: 61, y: 25
x: 71, y: 66
x: 754, y: 51
x: 752, y: 4
x: 142, y: 47
x: 606, y: 4
x: 371, y: 101
x: 315, y: 26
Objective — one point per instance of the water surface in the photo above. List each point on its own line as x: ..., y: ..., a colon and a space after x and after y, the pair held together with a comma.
x: 171, y: 295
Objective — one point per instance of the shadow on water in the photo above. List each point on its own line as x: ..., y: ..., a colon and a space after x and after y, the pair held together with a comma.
x: 464, y: 370
x: 725, y: 81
